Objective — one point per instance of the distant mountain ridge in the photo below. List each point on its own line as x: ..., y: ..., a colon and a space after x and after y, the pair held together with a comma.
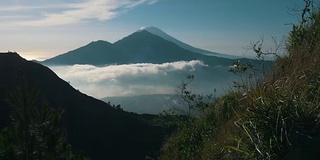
x: 139, y: 47
x: 151, y: 104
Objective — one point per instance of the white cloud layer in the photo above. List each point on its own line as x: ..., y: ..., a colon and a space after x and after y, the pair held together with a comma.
x: 56, y: 13
x: 128, y: 79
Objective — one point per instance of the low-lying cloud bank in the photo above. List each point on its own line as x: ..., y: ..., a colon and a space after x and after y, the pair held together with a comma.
x: 128, y: 79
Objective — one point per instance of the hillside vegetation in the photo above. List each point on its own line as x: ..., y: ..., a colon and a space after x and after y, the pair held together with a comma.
x: 98, y: 129
x: 277, y: 117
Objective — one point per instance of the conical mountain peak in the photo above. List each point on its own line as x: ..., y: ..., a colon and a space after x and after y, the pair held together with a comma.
x: 147, y: 45
x: 151, y: 29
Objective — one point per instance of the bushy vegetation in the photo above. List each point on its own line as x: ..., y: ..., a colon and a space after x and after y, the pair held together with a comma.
x: 276, y: 118
x: 35, y: 130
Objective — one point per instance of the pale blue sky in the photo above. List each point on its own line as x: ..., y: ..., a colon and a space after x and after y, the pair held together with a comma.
x: 41, y: 29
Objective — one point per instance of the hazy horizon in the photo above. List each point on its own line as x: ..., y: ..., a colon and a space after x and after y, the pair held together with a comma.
x: 44, y: 29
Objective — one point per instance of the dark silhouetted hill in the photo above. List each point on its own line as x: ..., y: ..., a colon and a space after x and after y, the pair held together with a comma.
x: 90, y: 125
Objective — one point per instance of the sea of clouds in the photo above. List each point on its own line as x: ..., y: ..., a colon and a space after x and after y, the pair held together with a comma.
x: 143, y: 78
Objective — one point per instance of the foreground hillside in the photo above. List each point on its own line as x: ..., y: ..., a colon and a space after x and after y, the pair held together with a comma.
x: 277, y: 118
x: 90, y: 125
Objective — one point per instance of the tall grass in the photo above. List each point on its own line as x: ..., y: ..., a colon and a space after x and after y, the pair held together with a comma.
x: 278, y: 118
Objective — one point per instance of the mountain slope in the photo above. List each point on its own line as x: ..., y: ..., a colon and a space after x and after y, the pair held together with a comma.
x: 139, y: 47
x: 146, y: 47
x: 162, y: 34
x: 97, y: 52
x: 91, y: 125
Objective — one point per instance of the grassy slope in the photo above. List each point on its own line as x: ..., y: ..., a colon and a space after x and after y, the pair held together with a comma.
x: 277, y: 119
